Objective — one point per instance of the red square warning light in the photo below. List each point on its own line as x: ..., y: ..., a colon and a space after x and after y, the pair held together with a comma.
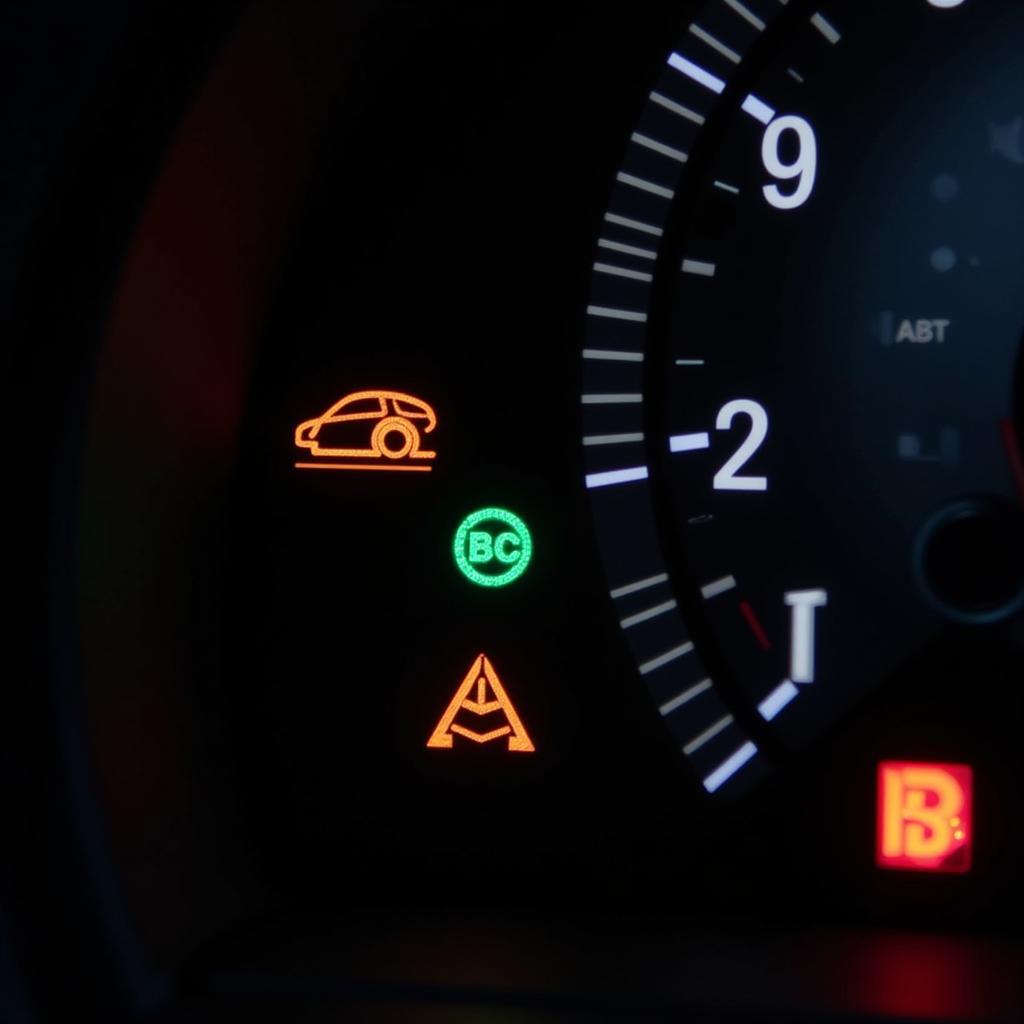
x: 924, y: 816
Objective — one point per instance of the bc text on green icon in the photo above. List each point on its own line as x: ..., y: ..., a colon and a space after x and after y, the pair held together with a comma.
x: 492, y: 547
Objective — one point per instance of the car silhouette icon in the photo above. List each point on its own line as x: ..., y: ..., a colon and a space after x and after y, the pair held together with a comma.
x: 396, y: 423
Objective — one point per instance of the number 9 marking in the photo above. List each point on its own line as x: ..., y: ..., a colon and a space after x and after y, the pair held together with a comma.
x: 804, y: 168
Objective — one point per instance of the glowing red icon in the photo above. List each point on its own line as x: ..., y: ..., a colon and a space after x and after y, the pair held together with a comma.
x: 490, y: 698
x: 924, y: 816
x: 383, y: 429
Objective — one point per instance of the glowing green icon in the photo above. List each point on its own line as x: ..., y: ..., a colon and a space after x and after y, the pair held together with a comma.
x: 492, y: 547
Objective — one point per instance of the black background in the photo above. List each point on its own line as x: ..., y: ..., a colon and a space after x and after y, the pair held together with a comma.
x: 313, y: 629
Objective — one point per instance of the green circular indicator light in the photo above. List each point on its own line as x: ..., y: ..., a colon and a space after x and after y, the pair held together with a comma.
x: 492, y: 547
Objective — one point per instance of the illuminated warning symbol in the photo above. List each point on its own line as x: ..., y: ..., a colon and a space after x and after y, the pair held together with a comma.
x: 392, y: 422
x: 481, y: 693
x: 924, y: 816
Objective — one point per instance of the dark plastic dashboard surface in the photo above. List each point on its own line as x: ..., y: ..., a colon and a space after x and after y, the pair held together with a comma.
x: 244, y: 781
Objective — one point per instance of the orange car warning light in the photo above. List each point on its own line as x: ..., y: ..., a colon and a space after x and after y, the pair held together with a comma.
x: 490, y: 696
x: 924, y: 816
x: 382, y: 429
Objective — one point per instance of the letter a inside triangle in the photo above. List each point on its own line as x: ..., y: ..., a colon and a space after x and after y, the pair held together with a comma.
x: 480, y: 693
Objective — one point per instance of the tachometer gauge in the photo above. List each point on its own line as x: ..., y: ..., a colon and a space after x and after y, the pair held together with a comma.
x: 800, y: 429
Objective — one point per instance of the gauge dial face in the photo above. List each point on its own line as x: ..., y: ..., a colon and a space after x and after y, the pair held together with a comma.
x: 800, y: 429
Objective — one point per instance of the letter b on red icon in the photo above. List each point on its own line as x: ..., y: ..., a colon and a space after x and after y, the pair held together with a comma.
x: 924, y: 816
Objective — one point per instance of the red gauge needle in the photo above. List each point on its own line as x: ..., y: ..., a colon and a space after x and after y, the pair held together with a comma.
x: 1013, y: 454
x: 755, y: 625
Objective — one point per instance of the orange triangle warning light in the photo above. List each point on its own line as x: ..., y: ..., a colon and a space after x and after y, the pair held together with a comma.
x: 483, y: 683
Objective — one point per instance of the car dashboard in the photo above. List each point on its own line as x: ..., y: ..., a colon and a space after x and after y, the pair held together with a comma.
x: 517, y: 511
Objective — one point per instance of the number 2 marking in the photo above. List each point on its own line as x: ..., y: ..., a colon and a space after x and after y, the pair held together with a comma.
x: 728, y: 478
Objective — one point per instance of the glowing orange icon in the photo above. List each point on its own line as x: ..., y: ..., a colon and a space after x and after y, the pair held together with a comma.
x: 924, y: 816
x: 389, y: 424
x: 486, y: 683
